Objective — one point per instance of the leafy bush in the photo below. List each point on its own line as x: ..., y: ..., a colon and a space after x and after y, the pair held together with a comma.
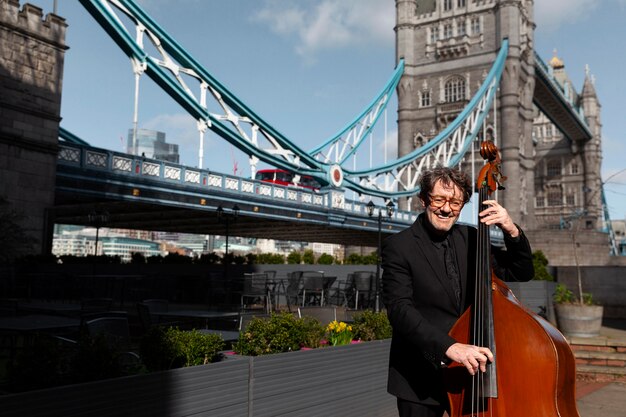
x: 280, y: 333
x: 239, y: 259
x: 211, y: 258
x: 370, y: 325
x: 294, y: 258
x: 325, y: 259
x: 353, y: 259
x: 251, y: 258
x: 270, y: 258
x: 167, y: 348
x: 176, y: 258
x: 137, y: 258
x: 540, y: 263
x: 154, y: 259
x: 562, y: 295
x: 308, y: 257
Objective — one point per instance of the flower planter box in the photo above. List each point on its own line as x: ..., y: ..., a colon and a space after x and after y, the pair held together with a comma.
x: 336, y: 381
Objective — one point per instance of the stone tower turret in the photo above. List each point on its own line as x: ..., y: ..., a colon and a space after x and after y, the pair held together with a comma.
x: 448, y: 47
x: 32, y: 51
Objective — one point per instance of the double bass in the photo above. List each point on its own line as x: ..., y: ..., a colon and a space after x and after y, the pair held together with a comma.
x: 533, y: 372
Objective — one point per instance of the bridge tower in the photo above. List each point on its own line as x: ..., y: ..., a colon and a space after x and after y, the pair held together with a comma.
x: 448, y: 47
x: 32, y: 51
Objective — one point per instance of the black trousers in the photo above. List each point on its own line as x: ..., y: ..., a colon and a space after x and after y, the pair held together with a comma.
x: 411, y: 409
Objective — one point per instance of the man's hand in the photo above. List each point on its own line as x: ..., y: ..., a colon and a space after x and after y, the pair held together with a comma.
x: 496, y: 214
x: 472, y: 357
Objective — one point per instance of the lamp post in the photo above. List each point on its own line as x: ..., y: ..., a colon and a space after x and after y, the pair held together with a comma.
x: 224, y: 217
x: 98, y: 220
x: 370, y: 212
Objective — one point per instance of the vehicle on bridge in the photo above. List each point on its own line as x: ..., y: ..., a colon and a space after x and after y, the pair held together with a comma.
x: 282, y: 177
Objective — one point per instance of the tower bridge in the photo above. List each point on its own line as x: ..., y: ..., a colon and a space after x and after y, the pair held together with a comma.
x: 481, y: 50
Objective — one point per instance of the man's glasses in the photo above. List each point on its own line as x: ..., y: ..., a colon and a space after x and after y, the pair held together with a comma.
x: 438, y: 201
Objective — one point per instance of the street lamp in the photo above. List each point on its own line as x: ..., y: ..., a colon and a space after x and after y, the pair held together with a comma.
x: 98, y: 220
x: 370, y: 212
x: 224, y: 217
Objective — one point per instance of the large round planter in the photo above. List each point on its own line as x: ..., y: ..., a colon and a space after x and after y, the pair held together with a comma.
x: 579, y: 320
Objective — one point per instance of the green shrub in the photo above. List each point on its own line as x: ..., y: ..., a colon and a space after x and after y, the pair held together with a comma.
x: 239, y: 259
x: 137, y: 258
x: 211, y: 258
x: 251, y: 258
x: 280, y: 333
x: 562, y: 295
x: 294, y: 258
x: 154, y: 259
x: 540, y: 263
x: 308, y: 257
x: 167, y: 348
x: 325, y: 259
x: 176, y: 258
x: 353, y: 259
x: 270, y: 258
x: 370, y: 325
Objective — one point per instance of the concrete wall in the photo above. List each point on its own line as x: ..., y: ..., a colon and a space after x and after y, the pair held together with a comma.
x: 32, y: 50
x: 607, y: 284
x: 592, y: 247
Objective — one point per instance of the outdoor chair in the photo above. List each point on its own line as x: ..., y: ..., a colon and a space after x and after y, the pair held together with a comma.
x: 363, y: 284
x: 116, y: 333
x: 324, y: 314
x: 313, y: 288
x: 255, y: 287
x: 293, y: 289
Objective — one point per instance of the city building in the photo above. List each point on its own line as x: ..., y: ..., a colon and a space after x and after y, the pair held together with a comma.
x: 152, y: 144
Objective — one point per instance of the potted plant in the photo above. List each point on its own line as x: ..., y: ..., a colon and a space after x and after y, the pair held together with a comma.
x: 577, y: 316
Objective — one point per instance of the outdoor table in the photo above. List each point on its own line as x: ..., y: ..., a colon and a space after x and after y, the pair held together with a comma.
x: 46, y: 307
x: 199, y: 314
x: 37, y: 322
x: 26, y: 327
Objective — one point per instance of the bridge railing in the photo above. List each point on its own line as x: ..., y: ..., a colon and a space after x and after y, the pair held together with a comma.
x: 117, y: 163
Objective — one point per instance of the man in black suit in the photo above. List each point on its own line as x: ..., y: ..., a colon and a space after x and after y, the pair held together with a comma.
x: 428, y: 282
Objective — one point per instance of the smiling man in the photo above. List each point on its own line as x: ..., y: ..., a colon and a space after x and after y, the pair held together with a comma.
x: 428, y: 282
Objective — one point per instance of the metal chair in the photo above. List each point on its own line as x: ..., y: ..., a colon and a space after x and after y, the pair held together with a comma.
x: 363, y: 286
x: 313, y: 285
x: 293, y: 289
x: 116, y: 333
x: 255, y: 287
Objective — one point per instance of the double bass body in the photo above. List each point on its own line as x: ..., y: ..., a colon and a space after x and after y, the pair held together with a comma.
x: 535, y: 365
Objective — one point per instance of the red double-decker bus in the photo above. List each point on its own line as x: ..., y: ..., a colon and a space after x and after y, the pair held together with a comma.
x: 282, y: 177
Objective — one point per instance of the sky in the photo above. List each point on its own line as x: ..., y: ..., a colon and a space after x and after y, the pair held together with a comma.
x: 308, y: 67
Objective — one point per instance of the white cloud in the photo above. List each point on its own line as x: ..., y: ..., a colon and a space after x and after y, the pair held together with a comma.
x: 330, y: 24
x: 550, y: 14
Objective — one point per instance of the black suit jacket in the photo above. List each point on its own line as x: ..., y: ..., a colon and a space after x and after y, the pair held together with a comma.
x: 422, y: 307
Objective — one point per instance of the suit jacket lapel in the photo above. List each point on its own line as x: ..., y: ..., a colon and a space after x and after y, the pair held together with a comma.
x: 430, y: 254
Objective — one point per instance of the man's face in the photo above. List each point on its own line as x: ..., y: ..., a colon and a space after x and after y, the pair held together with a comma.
x: 443, y: 206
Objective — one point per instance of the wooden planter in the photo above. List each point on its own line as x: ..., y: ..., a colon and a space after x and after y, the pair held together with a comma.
x: 575, y: 320
x: 335, y: 381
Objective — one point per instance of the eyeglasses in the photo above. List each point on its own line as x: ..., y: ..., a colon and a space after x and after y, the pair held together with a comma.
x: 438, y: 201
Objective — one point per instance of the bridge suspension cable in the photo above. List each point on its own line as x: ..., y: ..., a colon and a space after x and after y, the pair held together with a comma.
x: 173, y: 69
